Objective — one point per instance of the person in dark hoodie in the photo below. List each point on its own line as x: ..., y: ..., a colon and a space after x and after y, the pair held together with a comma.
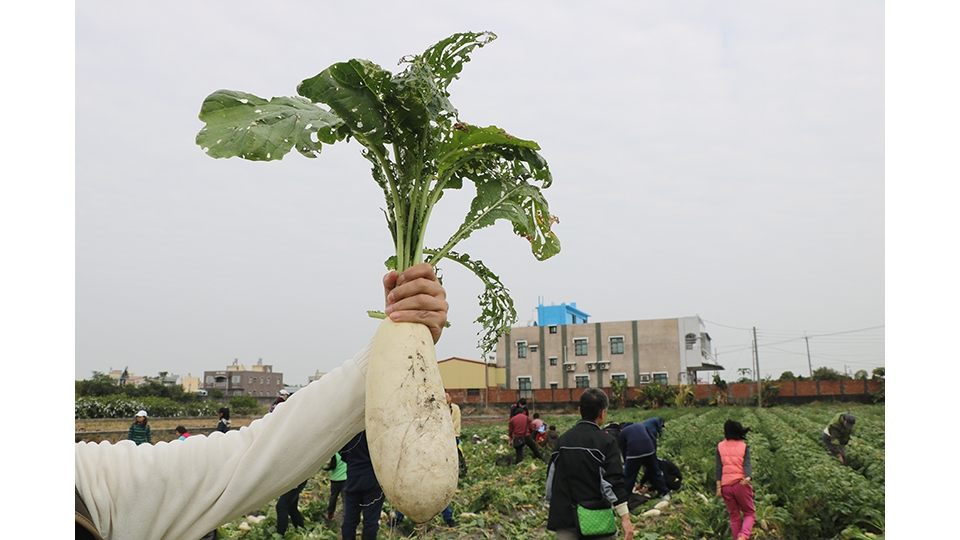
x: 837, y: 434
x: 585, y: 470
x: 638, y: 446
x: 362, y: 492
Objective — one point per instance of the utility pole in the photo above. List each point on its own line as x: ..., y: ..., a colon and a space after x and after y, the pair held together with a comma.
x: 756, y: 355
x: 809, y: 364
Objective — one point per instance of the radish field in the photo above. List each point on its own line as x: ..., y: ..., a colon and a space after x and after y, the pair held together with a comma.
x: 801, y: 492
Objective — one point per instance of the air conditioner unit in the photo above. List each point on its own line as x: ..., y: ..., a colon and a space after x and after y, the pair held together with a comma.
x: 644, y: 378
x: 570, y: 367
x: 603, y: 365
x: 592, y: 366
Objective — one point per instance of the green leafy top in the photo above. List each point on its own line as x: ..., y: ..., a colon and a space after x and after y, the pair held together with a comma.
x: 417, y: 146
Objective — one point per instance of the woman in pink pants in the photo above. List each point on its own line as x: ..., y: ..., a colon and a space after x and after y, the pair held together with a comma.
x: 733, y: 479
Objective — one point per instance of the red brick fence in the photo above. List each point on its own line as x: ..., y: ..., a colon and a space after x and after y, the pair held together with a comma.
x: 795, y: 392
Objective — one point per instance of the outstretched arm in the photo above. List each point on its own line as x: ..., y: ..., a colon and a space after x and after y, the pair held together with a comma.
x: 184, y: 489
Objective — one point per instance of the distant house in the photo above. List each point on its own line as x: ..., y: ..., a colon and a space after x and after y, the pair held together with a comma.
x: 469, y: 375
x: 555, y: 352
x: 259, y: 380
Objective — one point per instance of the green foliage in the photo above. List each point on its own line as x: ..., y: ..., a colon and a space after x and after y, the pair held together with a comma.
x: 418, y: 147
x: 878, y: 373
x: 655, y: 395
x: 828, y: 374
x: 216, y: 393
x: 619, y: 390
x: 244, y: 405
x: 769, y: 392
x: 800, y: 491
x: 684, y: 396
x: 100, y: 384
x: 787, y: 376
x: 122, y: 406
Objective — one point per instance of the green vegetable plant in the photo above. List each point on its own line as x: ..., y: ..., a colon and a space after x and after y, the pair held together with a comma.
x: 418, y: 148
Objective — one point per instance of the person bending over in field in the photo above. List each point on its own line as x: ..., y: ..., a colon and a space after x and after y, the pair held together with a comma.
x: 837, y: 434
x: 126, y: 491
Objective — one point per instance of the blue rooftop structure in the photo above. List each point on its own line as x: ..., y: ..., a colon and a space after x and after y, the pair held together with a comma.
x: 560, y: 315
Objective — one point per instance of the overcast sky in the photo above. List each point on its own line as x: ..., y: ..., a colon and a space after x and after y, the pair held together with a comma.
x: 716, y: 159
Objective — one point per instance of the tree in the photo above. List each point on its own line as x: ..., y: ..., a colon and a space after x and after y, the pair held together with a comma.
x: 787, y: 376
x: 721, y: 397
x: 216, y: 393
x: 100, y: 384
x: 828, y: 374
x: 878, y: 374
x: 860, y: 375
x: 619, y: 390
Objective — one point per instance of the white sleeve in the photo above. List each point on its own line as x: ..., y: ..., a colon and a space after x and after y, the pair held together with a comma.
x: 185, y: 489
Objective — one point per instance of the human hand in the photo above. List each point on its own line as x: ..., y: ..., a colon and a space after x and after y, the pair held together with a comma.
x: 627, y: 527
x: 745, y: 481
x: 416, y: 296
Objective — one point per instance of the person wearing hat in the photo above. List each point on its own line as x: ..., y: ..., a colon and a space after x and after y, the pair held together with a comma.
x: 139, y: 431
x: 282, y: 396
x: 837, y: 434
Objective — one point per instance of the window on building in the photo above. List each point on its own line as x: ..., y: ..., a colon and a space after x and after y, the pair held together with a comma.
x: 238, y: 392
x: 250, y: 381
x: 525, y: 383
x: 553, y: 328
x: 473, y: 391
x: 268, y: 380
x: 622, y: 377
x: 278, y: 381
x: 662, y: 378
x: 583, y: 381
x: 691, y: 340
x: 521, y: 349
x: 616, y: 345
x: 235, y: 379
x: 261, y: 380
x: 580, y: 346
x: 209, y: 379
x: 553, y: 386
x: 553, y: 360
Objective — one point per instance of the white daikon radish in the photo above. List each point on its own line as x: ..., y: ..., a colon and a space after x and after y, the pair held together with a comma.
x: 409, y: 428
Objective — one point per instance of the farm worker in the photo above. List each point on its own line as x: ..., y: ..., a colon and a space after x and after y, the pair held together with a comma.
x: 455, y: 416
x: 551, y: 439
x: 585, y: 469
x: 182, y: 432
x: 539, y: 428
x: 733, y: 472
x: 139, y: 431
x: 519, y: 407
x: 128, y: 491
x: 338, y: 478
x: 223, y: 420
x: 362, y: 492
x: 282, y: 396
x: 519, y: 429
x: 287, y: 504
x: 638, y: 446
x: 837, y: 434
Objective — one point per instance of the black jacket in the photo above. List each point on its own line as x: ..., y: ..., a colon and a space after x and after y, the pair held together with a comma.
x: 585, y: 468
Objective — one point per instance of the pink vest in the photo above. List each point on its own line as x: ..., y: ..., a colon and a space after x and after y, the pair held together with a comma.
x: 731, y: 457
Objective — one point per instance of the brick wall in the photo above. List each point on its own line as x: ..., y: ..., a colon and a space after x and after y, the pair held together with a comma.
x: 790, y: 391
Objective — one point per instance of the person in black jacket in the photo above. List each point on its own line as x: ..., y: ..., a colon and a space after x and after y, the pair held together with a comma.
x: 362, y: 492
x: 585, y: 469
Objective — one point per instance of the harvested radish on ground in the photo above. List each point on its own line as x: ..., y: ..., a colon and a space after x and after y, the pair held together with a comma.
x: 418, y: 147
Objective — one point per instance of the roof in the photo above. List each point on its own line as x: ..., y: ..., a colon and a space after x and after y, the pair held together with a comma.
x: 460, y: 359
